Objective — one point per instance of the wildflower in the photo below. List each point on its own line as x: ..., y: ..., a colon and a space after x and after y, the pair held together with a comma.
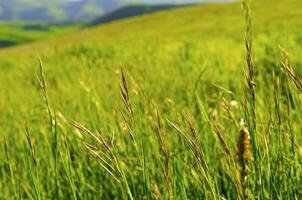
x: 234, y: 104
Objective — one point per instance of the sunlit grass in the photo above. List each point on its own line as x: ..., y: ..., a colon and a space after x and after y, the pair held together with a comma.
x: 163, y: 106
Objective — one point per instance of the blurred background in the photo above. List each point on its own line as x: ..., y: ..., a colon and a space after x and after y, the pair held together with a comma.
x: 24, y: 21
x: 71, y: 10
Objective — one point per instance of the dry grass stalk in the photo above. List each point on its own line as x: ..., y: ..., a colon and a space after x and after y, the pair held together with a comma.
x: 250, y: 97
x: 126, y: 100
x: 98, y: 138
x: 199, y: 157
x: 194, y: 148
x: 163, y: 147
x: 30, y: 143
x: 164, y: 152
x: 105, y: 160
x: 102, y: 162
x: 128, y: 128
x: 42, y: 81
x: 112, y: 166
x: 191, y: 126
x: 218, y: 132
x: 155, y: 191
x: 230, y: 158
x: 248, y: 45
x: 289, y: 70
x: 125, y: 93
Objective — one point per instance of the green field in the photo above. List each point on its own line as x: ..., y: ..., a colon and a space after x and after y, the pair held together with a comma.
x: 151, y: 107
x: 14, y: 33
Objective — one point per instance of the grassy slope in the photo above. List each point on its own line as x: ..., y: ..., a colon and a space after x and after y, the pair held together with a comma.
x: 16, y: 32
x: 131, y: 11
x: 163, y: 55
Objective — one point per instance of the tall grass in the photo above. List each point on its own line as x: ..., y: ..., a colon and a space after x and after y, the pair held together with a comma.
x: 180, y: 128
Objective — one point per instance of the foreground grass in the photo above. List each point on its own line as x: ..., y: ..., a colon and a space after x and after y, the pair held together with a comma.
x: 149, y: 109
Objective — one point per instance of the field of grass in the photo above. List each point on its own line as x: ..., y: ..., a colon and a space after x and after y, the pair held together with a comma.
x: 179, y: 104
x: 13, y: 33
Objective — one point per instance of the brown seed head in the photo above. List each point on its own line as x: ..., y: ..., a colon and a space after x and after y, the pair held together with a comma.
x: 243, y: 146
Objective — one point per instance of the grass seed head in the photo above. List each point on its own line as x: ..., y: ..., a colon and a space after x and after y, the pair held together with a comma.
x: 244, y: 146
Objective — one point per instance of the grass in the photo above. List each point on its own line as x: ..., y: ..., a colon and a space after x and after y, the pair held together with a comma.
x: 13, y: 33
x: 189, y: 103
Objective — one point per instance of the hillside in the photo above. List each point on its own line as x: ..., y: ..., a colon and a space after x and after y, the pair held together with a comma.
x: 221, y: 20
x: 68, y: 10
x: 131, y: 11
x: 150, y: 107
x: 14, y: 33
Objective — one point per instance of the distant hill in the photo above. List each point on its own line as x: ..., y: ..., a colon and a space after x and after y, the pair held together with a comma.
x: 55, y: 10
x: 73, y: 10
x: 131, y: 11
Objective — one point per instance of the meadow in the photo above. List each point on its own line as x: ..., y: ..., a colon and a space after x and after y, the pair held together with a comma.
x: 200, y: 102
x: 14, y: 32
